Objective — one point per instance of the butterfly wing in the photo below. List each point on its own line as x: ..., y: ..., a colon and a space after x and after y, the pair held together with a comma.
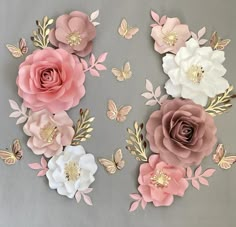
x: 214, y: 40
x: 222, y: 44
x: 15, y: 51
x: 131, y: 32
x: 23, y: 46
x: 8, y: 157
x: 118, y: 159
x: 16, y: 149
x: 220, y: 152
x: 112, y: 110
x: 108, y: 165
x: 127, y: 71
x: 226, y: 162
x: 118, y: 74
x: 122, y: 113
x: 123, y: 27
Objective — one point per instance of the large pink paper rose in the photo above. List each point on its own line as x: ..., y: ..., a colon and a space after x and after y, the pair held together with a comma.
x: 171, y: 36
x: 182, y: 132
x: 74, y: 33
x: 159, y: 182
x: 48, y: 132
x: 51, y: 79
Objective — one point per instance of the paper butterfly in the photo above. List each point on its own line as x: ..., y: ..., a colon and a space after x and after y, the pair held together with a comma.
x: 16, y: 153
x: 123, y: 74
x: 126, y: 31
x: 117, y: 163
x: 217, y: 43
x: 18, y: 51
x: 221, y: 160
x: 119, y: 115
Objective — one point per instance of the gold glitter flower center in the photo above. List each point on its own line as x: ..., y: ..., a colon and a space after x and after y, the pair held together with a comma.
x: 171, y: 38
x: 195, y: 73
x: 160, y: 179
x: 49, y: 132
x: 74, y: 39
x: 72, y: 171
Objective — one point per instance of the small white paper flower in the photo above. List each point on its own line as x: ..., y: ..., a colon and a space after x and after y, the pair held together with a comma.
x: 195, y: 73
x: 71, y: 171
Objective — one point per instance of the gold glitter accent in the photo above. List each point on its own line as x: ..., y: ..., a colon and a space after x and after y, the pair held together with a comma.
x: 72, y: 171
x: 160, y: 179
x: 49, y: 132
x: 195, y: 73
x: 74, y: 39
x: 170, y: 38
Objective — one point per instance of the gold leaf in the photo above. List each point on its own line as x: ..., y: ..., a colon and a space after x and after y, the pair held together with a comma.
x: 50, y: 21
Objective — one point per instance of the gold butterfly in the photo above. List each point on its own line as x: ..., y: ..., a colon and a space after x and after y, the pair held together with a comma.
x: 218, y: 43
x: 225, y: 162
x: 117, y: 162
x: 16, y: 153
x: 18, y: 51
x: 126, y: 31
x: 123, y: 74
x: 119, y: 115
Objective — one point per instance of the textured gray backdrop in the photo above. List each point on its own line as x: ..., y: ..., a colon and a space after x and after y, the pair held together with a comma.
x: 27, y: 201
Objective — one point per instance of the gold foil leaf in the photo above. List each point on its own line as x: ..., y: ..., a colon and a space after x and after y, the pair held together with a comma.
x: 20, y: 50
x: 126, y: 31
x: 40, y: 37
x: 217, y: 43
x: 123, y: 74
x: 83, y: 128
x: 135, y: 143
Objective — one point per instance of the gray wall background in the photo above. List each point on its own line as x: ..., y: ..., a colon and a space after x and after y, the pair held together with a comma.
x: 27, y: 201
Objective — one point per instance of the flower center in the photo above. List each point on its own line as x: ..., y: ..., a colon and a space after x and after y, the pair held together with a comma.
x: 171, y: 38
x: 72, y: 171
x: 195, y: 73
x: 74, y: 39
x: 160, y: 179
x: 49, y: 132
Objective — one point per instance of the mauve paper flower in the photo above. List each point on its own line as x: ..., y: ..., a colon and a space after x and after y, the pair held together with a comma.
x: 74, y: 33
x: 159, y: 182
x: 48, y: 132
x: 182, y: 132
x: 51, y: 79
x: 171, y: 36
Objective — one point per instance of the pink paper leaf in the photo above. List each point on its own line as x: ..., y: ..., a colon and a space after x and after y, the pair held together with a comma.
x: 155, y: 16
x: 163, y: 20
x: 198, y: 171
x: 195, y: 184
x: 153, y: 25
x: 203, y: 181
x: 147, y: 95
x: 100, y: 67
x: 149, y: 86
x: 23, y: 108
x: 202, y: 41
x: 87, y: 200
x: 208, y: 173
x: 92, y: 59
x: 201, y: 32
x: 15, y: 114
x: 88, y: 190
x: 189, y: 172
x: 143, y: 204
x: 14, y: 105
x: 42, y: 172
x: 84, y: 64
x: 35, y: 166
x: 151, y: 102
x: 163, y: 99
x: 134, y: 206
x: 194, y: 35
x: 135, y: 196
x: 158, y: 92
x: 44, y: 163
x: 94, y: 72
x: 102, y: 57
x: 78, y: 196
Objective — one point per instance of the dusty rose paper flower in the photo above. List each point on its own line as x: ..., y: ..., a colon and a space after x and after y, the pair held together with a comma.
x: 181, y: 132
x: 159, y: 182
x: 171, y: 36
x: 51, y: 79
x: 74, y: 33
x: 48, y: 132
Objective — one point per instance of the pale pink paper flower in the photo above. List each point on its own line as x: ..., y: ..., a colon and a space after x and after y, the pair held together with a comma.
x: 159, y: 182
x: 74, y: 33
x: 48, y: 132
x: 171, y: 36
x: 51, y: 79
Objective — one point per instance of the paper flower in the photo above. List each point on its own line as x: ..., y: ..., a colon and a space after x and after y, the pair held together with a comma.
x: 71, y: 171
x: 51, y: 79
x: 171, y: 36
x: 159, y: 182
x: 181, y: 132
x: 74, y: 33
x: 48, y: 132
x: 195, y: 73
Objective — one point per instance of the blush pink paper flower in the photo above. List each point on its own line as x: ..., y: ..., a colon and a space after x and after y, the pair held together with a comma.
x: 171, y: 36
x: 74, y: 33
x: 182, y: 132
x: 51, y: 79
x: 159, y: 182
x: 48, y: 132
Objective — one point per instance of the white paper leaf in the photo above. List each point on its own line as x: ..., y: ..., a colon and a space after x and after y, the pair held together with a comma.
x: 15, y: 114
x: 202, y: 41
x: 95, y: 23
x: 149, y: 86
x: 194, y: 36
x: 14, y: 105
x: 151, y: 102
x: 23, y: 108
x: 21, y: 120
x: 158, y: 92
x: 163, y: 99
x: 201, y: 32
x: 94, y: 15
x: 147, y: 95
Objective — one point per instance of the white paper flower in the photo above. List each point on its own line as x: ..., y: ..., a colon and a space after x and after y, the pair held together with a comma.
x: 71, y: 171
x: 195, y: 73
